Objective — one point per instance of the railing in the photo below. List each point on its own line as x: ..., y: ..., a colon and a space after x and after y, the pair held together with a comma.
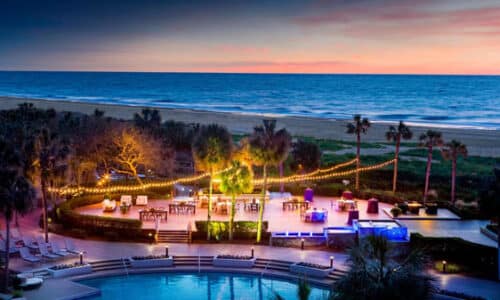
x: 125, y: 266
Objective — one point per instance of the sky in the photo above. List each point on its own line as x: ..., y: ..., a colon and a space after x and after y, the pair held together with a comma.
x: 291, y: 36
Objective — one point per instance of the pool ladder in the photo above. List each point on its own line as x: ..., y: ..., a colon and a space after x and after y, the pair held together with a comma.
x: 125, y: 266
x: 265, y: 269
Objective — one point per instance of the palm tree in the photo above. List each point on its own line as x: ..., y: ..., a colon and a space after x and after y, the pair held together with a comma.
x: 267, y: 147
x: 303, y: 291
x: 452, y: 151
x: 429, y: 139
x: 16, y: 194
x: 357, y: 127
x: 234, y: 182
x: 52, y: 153
x: 374, y: 273
x: 212, y: 148
x: 396, y: 134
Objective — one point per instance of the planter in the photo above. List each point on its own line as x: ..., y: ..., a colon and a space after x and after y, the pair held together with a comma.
x: 151, y: 262
x: 310, y: 271
x: 233, y: 262
x: 72, y: 271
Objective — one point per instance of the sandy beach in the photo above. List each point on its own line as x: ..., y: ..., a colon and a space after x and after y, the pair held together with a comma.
x: 479, y: 142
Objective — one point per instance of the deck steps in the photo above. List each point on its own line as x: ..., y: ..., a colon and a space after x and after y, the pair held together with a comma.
x: 113, y: 264
x: 193, y: 260
x: 173, y: 236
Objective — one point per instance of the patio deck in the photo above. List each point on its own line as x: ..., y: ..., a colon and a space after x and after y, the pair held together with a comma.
x: 279, y: 220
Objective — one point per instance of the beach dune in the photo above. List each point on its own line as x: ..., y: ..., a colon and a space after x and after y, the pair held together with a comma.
x: 479, y: 142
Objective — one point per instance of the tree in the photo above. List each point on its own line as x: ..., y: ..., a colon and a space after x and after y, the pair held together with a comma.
x: 395, y: 135
x: 429, y: 140
x: 306, y: 155
x: 234, y: 182
x: 267, y: 147
x: 357, y: 127
x: 212, y: 149
x: 303, y: 291
x: 16, y: 194
x: 133, y: 152
x: 451, y: 151
x: 375, y: 273
x: 51, y: 163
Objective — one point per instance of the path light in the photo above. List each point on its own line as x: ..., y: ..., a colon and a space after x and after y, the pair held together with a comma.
x: 302, y: 244
x: 166, y: 251
x: 331, y: 261
x: 252, y: 252
x: 81, y: 258
x: 444, y: 266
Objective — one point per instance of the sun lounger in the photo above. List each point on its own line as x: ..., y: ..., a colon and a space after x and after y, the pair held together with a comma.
x: 27, y: 256
x: 28, y: 242
x: 29, y: 282
x: 44, y: 251
x: 58, y: 251
x: 70, y: 247
x: 3, y: 247
x: 141, y: 200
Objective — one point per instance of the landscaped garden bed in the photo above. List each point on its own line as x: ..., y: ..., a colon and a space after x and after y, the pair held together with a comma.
x: 65, y: 270
x: 234, y: 261
x: 310, y: 269
x: 151, y: 261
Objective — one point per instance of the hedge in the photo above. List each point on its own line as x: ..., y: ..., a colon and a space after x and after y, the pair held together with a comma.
x: 476, y: 257
x: 243, y: 230
x: 99, y: 225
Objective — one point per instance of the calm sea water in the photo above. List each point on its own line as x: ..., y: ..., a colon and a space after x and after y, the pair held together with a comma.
x: 195, y: 287
x: 438, y: 100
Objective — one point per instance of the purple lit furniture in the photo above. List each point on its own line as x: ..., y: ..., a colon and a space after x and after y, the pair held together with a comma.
x: 347, y: 195
x: 353, y: 215
x: 372, y: 207
x: 316, y: 215
x: 308, y: 195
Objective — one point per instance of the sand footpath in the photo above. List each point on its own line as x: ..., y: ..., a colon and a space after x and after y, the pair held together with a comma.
x: 479, y: 142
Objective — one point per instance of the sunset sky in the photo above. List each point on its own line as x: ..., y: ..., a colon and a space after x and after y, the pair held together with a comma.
x: 349, y: 36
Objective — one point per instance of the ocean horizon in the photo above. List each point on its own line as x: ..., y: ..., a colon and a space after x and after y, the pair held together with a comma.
x: 470, y: 101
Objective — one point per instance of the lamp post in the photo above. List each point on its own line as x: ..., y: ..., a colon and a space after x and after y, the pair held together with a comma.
x: 81, y: 258
x: 302, y: 244
x: 252, y: 252
x: 331, y: 261
x: 166, y: 251
x: 444, y: 266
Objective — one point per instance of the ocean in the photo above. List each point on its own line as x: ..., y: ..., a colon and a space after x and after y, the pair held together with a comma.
x: 437, y: 100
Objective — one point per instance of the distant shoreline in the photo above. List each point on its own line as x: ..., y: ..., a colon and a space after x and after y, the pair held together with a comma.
x: 480, y: 142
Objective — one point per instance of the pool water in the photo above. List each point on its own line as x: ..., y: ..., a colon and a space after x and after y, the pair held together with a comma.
x: 182, y: 286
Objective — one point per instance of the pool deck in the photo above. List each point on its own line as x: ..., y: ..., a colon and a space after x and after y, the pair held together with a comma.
x: 442, y: 215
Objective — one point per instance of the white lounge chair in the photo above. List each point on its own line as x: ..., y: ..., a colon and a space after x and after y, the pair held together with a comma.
x: 141, y: 200
x: 58, y: 251
x: 28, y: 242
x: 126, y: 199
x: 3, y: 247
x: 27, y: 256
x: 70, y: 247
x: 44, y: 251
x: 29, y: 282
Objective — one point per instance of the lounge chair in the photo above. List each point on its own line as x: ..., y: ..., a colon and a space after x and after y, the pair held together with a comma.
x: 70, y: 247
x: 3, y: 247
x: 29, y: 282
x: 127, y: 199
x: 58, y: 251
x: 44, y: 251
x: 141, y: 200
x: 40, y: 241
x: 27, y: 256
x: 28, y: 242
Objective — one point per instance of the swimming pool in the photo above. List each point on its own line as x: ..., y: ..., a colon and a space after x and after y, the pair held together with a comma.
x: 187, y: 286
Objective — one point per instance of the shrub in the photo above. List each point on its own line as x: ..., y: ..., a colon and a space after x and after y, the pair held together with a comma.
x: 396, y: 211
x: 243, y: 230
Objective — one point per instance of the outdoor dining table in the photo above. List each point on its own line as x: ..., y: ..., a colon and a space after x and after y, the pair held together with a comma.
x: 316, y: 215
x: 293, y: 205
x: 181, y: 208
x: 252, y: 206
x: 414, y: 208
x: 153, y: 215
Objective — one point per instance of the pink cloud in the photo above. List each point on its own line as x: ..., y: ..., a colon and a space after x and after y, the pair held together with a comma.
x: 245, y: 50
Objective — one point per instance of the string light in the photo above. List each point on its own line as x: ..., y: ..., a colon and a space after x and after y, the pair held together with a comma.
x: 320, y: 174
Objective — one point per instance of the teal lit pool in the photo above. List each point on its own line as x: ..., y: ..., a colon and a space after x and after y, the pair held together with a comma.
x: 183, y: 286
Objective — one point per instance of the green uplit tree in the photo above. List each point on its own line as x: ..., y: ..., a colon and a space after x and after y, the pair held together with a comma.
x: 357, y: 127
x: 395, y: 134
x: 234, y: 182
x: 267, y: 147
x: 212, y: 149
